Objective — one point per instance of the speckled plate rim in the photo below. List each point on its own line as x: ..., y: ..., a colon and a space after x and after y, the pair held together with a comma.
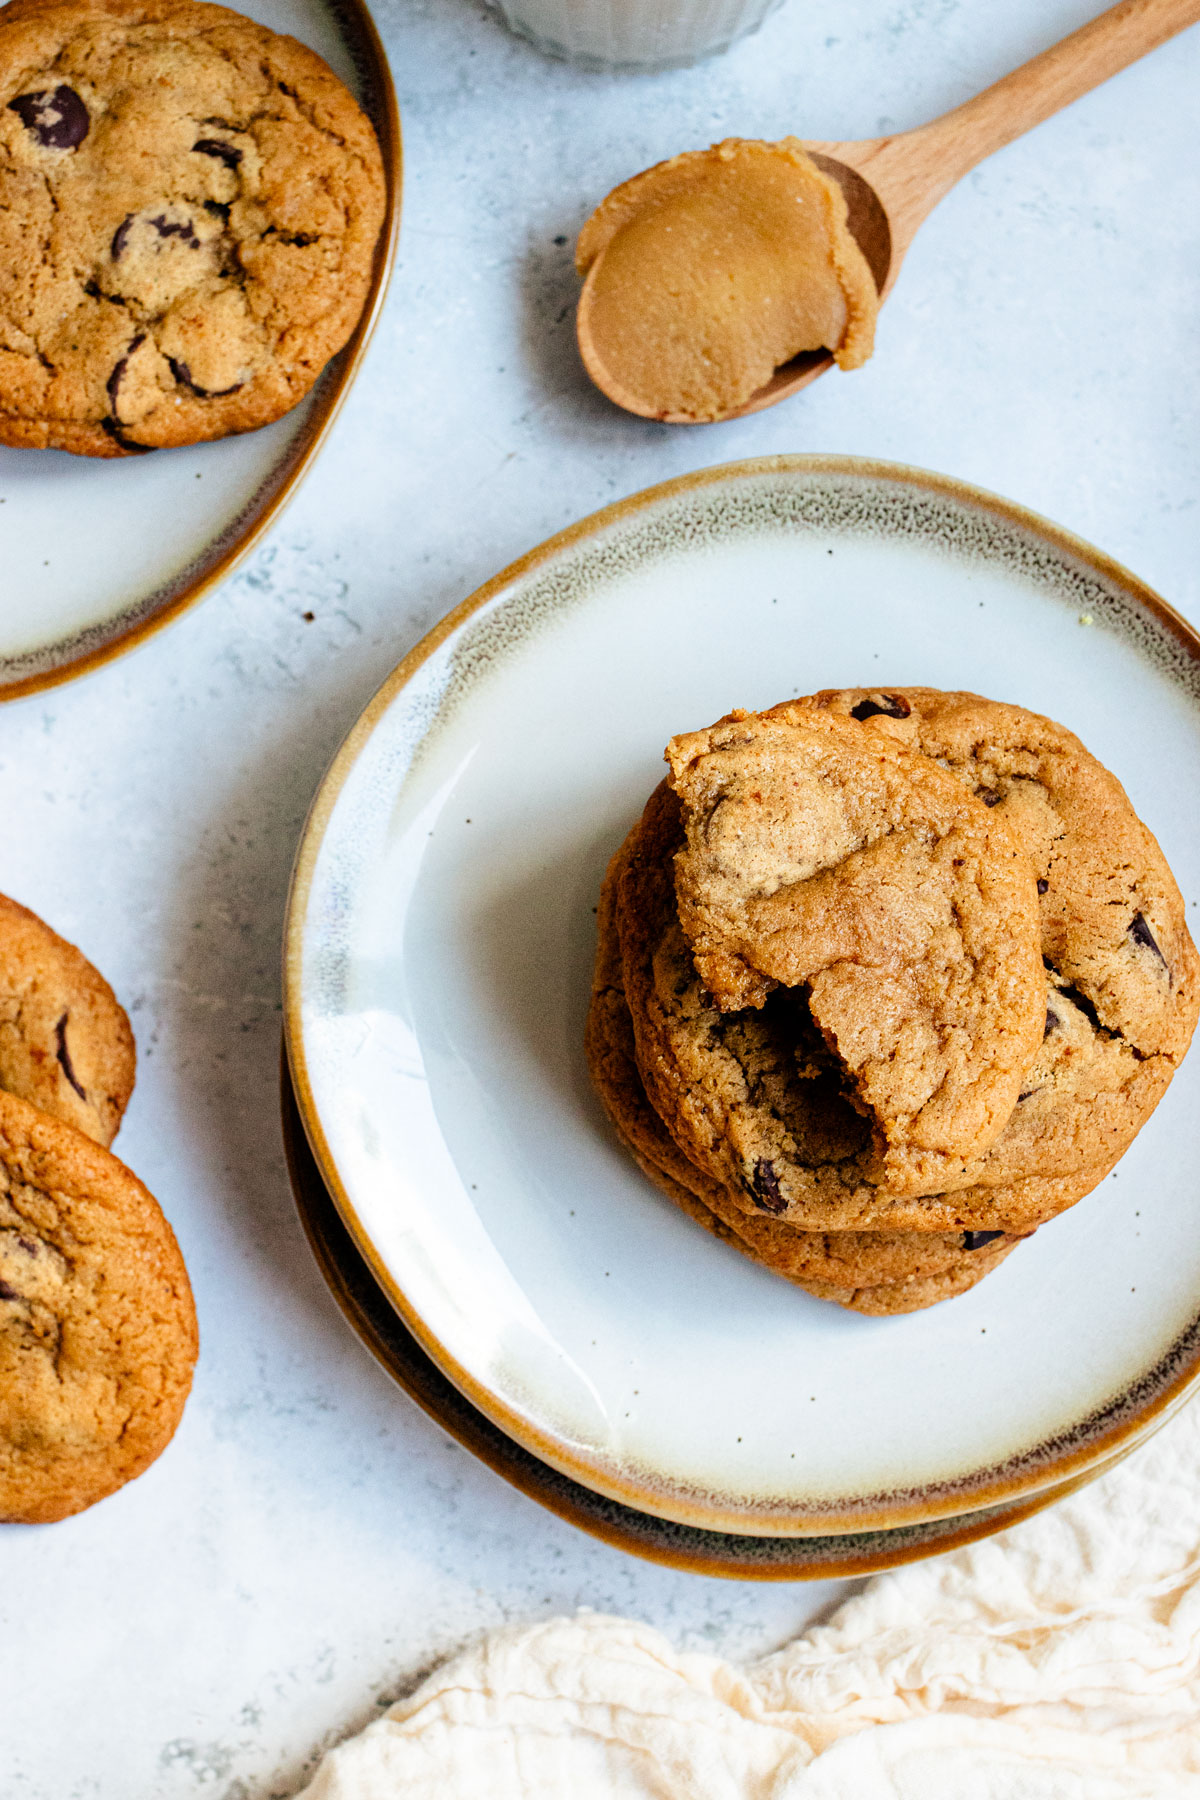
x: 731, y: 1555
x: 1072, y: 1456
x: 98, y: 644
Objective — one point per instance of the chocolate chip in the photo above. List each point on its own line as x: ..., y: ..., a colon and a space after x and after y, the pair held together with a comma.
x: 1052, y: 1022
x: 112, y: 425
x: 29, y: 1245
x: 892, y: 706
x: 183, y: 376
x: 64, y: 1056
x: 114, y: 380
x: 975, y: 1240
x: 166, y: 228
x: 116, y: 432
x: 300, y: 239
x: 1086, y: 1007
x: 57, y: 117
x: 1141, y: 934
x: 95, y: 292
x: 1043, y: 886
x: 8, y: 1293
x: 180, y: 228
x: 764, y: 1188
x: 229, y: 154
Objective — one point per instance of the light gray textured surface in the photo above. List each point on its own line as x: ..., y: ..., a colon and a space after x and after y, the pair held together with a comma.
x: 311, y: 1541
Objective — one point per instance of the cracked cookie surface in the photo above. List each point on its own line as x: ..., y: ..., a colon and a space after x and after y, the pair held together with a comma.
x: 867, y: 1271
x: 749, y: 1098
x: 1121, y: 970
x: 824, y: 858
x: 189, y: 208
x: 65, y: 1041
x: 97, y: 1328
x: 756, y: 1100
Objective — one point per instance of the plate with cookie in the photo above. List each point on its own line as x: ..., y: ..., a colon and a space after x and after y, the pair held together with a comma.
x: 198, y: 214
x: 792, y: 1137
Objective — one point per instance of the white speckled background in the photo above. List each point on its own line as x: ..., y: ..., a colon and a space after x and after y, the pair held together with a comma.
x: 310, y: 1542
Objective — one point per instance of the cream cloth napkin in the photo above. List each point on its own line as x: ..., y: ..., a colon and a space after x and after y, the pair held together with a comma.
x: 1058, y: 1661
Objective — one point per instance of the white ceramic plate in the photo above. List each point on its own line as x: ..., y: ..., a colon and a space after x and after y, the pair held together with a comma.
x: 439, y: 950
x: 738, y: 1557
x: 95, y: 553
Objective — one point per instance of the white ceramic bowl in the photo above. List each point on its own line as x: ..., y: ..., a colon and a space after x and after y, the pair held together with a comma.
x: 633, y: 34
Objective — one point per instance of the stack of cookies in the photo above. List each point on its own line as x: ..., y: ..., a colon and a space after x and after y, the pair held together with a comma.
x: 97, y: 1328
x: 884, y: 981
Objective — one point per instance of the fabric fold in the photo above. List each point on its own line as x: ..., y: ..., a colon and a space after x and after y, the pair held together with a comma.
x: 1058, y: 1661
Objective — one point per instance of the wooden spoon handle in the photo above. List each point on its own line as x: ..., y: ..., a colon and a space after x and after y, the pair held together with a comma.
x: 916, y: 169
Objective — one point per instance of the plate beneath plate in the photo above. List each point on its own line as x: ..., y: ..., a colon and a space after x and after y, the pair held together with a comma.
x: 98, y: 553
x: 376, y: 1322
x: 439, y: 947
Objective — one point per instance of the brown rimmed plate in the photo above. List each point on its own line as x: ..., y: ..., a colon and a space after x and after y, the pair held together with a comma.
x: 438, y: 952
x: 381, y: 1329
x: 97, y: 554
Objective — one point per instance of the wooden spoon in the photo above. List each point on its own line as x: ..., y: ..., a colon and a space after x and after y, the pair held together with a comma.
x: 892, y: 184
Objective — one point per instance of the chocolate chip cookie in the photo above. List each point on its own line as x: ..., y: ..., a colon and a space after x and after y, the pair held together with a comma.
x: 758, y: 1101
x: 1121, y: 970
x: 65, y: 1042
x: 866, y: 1271
x: 97, y: 1329
x: 189, y: 211
x: 827, y: 859
x: 919, y: 1291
